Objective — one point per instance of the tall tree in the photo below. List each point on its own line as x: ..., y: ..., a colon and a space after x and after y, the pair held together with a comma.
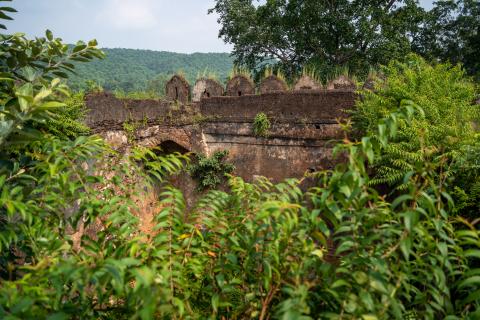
x: 452, y: 33
x: 345, y: 33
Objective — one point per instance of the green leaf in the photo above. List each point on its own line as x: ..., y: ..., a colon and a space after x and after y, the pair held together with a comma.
x: 215, y: 302
x: 8, y: 9
x: 379, y: 286
x: 345, y: 246
x: 50, y: 105
x: 4, y: 16
x: 49, y: 35
x: 360, y: 277
x: 92, y: 43
x: 340, y: 283
x: 469, y: 282
x: 79, y: 48
x: 25, y: 96
x: 472, y: 253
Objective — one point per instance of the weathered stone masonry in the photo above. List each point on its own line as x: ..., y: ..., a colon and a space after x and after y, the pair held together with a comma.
x: 304, y: 124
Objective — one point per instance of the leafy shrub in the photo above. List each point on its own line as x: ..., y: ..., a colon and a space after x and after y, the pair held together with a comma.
x: 465, y: 180
x: 261, y: 125
x: 210, y: 171
x: 437, y: 134
x: 259, y: 251
x: 66, y: 121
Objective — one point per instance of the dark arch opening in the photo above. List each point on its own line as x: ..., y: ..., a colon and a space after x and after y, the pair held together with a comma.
x: 169, y: 146
x: 239, y: 93
x: 176, y: 93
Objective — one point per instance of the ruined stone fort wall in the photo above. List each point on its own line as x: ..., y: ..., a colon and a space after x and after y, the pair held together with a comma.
x: 304, y: 125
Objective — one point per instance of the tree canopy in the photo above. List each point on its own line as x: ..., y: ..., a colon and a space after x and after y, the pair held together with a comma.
x: 451, y: 32
x: 356, y: 34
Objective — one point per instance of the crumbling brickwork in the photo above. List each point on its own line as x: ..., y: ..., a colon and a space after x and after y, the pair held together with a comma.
x: 272, y: 84
x: 240, y: 85
x: 177, y: 89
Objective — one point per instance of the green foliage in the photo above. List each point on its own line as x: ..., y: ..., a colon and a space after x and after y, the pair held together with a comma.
x: 210, y: 171
x: 66, y: 121
x: 91, y: 86
x: 451, y: 33
x: 70, y: 245
x: 466, y: 179
x: 29, y: 89
x: 128, y: 70
x: 261, y: 125
x: 294, y: 33
x: 436, y: 135
x: 258, y: 251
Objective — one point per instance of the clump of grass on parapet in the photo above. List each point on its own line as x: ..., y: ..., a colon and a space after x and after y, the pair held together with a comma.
x: 240, y: 71
x: 269, y: 71
x: 311, y: 72
x: 207, y: 74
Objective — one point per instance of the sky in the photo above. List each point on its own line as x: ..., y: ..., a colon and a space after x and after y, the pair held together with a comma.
x: 164, y: 25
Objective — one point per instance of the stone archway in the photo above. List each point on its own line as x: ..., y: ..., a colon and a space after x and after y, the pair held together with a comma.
x: 170, y: 146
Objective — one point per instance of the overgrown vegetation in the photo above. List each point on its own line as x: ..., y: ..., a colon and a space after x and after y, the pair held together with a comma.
x: 210, y: 172
x: 261, y: 125
x: 443, y: 134
x: 70, y: 245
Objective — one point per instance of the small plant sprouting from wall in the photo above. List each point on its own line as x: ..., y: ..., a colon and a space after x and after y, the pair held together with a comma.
x: 130, y: 127
x: 210, y: 171
x: 261, y: 125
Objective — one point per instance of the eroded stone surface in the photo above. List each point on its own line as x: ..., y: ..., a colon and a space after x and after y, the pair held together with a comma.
x: 342, y: 83
x: 206, y: 88
x: 307, y: 83
x: 272, y: 84
x: 177, y: 89
x: 239, y: 86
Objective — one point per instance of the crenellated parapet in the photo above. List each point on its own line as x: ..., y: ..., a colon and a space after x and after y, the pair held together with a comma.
x: 178, y: 89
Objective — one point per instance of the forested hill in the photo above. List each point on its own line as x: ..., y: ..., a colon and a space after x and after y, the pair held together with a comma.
x: 143, y: 70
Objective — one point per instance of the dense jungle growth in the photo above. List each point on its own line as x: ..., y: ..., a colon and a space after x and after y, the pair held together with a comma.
x: 392, y: 233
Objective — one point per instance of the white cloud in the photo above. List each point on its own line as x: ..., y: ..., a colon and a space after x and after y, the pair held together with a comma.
x: 128, y: 14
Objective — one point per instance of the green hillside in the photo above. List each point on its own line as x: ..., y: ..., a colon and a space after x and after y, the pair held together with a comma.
x: 145, y: 70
